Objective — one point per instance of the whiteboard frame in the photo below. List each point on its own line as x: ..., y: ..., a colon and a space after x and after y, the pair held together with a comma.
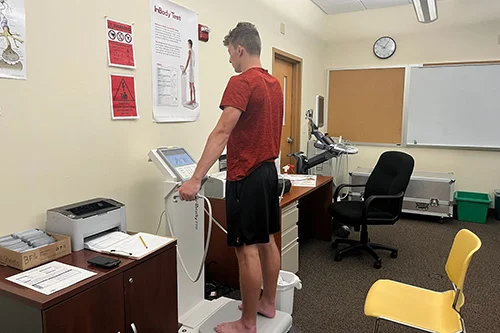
x: 407, y: 104
x: 405, y: 99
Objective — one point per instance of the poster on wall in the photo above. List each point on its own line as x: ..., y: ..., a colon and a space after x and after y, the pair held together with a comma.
x: 120, y: 42
x: 123, y: 97
x: 12, y: 39
x: 174, y: 33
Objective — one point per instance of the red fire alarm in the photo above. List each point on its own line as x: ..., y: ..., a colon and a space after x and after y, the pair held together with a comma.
x: 203, y: 32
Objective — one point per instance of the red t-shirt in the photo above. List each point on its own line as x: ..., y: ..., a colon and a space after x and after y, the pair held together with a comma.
x: 256, y: 137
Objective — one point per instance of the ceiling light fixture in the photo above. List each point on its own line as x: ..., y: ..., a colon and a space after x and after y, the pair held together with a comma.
x: 426, y: 10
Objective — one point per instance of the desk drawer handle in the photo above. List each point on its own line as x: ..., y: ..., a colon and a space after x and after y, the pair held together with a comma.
x: 134, y: 329
x: 131, y: 280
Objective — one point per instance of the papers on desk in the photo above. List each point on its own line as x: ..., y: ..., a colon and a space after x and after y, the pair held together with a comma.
x: 301, y: 180
x: 51, y: 277
x: 134, y: 246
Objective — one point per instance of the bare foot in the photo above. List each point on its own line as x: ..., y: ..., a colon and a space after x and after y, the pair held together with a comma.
x: 235, y: 327
x: 263, y: 309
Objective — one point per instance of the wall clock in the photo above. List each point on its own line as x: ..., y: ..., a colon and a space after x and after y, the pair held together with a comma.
x: 384, y: 47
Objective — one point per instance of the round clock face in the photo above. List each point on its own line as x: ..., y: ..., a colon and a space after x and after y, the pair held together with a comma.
x: 384, y: 47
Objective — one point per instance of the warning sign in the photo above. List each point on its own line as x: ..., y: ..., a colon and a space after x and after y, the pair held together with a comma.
x: 120, y: 44
x: 123, y: 100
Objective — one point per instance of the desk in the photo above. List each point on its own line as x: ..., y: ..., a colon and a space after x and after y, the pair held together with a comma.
x: 313, y: 221
x: 140, y: 292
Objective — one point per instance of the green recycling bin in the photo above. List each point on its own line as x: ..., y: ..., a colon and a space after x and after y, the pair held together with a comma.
x: 472, y: 206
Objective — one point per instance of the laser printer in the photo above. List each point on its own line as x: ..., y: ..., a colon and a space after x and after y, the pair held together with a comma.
x: 86, y: 219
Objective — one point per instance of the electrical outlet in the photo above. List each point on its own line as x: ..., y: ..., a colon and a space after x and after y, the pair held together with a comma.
x: 282, y: 28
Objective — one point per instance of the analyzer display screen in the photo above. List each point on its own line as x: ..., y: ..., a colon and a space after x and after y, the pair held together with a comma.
x: 180, y: 160
x: 176, y: 157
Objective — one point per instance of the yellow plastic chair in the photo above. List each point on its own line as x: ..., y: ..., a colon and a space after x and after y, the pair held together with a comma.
x: 427, y: 310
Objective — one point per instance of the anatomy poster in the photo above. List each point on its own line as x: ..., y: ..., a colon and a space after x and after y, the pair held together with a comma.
x: 123, y: 97
x: 120, y: 39
x: 174, y: 33
x: 12, y: 39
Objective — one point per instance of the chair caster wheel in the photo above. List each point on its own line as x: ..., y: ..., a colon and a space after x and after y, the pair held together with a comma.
x: 377, y: 264
x: 394, y: 254
x: 335, y: 245
x: 338, y: 258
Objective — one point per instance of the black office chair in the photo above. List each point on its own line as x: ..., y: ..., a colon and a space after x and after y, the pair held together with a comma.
x: 382, y: 205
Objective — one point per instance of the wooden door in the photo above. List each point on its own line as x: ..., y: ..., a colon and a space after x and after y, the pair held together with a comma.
x: 283, y: 71
x: 151, y: 295
x: 99, y: 309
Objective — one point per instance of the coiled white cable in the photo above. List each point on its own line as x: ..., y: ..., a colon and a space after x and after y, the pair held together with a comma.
x: 207, y: 245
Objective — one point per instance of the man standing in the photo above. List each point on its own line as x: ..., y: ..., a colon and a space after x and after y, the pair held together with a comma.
x: 190, y: 64
x: 250, y: 126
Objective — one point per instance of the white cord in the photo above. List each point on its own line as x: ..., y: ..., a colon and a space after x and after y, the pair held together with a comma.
x: 217, y: 223
x: 168, y: 195
x: 209, y: 234
x: 283, y: 188
x: 159, y: 223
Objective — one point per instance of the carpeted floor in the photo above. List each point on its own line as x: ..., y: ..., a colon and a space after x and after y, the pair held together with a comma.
x: 333, y: 293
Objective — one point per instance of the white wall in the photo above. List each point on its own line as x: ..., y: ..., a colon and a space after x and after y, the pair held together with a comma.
x: 57, y: 142
x: 464, y: 32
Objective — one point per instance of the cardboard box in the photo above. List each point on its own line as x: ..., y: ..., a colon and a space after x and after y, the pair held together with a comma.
x: 32, y: 258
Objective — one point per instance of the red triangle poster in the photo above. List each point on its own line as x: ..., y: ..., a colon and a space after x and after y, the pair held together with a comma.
x: 123, y: 97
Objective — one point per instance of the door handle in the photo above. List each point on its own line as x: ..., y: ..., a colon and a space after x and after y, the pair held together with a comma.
x: 134, y: 329
x: 289, y: 140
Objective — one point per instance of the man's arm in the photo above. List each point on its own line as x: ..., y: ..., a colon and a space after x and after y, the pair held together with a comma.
x: 216, y: 142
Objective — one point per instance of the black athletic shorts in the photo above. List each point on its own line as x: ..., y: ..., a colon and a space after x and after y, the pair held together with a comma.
x: 252, y: 207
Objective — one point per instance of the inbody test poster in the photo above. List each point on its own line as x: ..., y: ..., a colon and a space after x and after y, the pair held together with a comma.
x: 174, y: 34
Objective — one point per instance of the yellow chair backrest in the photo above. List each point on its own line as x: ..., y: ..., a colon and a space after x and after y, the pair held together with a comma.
x: 466, y: 243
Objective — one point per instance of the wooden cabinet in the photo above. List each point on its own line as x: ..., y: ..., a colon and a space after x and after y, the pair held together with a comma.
x: 150, y: 294
x: 138, y: 295
x: 101, y: 306
x: 304, y: 214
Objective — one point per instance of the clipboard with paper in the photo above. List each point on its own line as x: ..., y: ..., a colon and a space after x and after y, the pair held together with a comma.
x: 134, y: 246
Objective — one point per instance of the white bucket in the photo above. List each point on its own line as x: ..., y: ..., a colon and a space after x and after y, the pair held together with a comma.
x: 287, y: 282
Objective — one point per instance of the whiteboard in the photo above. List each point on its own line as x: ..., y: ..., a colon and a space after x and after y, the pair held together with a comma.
x: 457, y: 106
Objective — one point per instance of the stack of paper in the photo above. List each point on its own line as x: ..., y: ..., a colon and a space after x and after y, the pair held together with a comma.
x: 51, y: 277
x: 132, y: 246
x: 301, y: 180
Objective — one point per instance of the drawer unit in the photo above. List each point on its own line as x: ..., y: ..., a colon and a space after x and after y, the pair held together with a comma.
x: 290, y: 258
x: 289, y: 236
x: 289, y: 216
x: 429, y: 193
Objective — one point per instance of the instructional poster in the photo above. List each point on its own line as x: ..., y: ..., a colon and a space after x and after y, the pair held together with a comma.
x: 123, y: 100
x: 12, y: 39
x: 120, y: 39
x: 174, y: 33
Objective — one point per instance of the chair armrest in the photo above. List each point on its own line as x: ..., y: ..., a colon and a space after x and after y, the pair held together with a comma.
x: 340, y: 187
x: 372, y: 198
